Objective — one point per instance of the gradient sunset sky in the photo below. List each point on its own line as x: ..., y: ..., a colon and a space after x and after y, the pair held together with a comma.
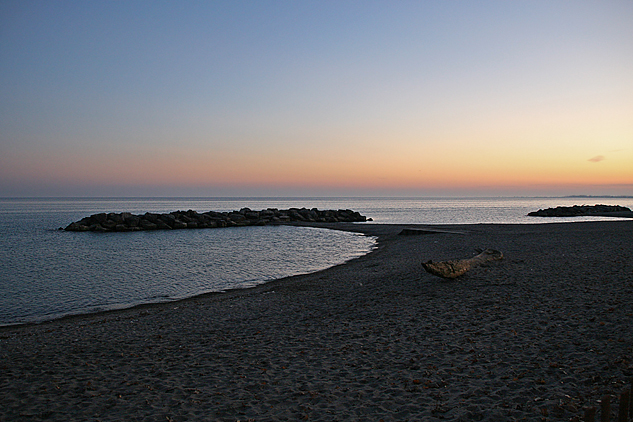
x: 316, y: 98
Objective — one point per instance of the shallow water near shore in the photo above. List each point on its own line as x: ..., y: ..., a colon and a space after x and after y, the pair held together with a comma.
x: 46, y: 273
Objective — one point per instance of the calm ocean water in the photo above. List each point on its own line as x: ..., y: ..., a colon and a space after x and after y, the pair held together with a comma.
x: 46, y: 273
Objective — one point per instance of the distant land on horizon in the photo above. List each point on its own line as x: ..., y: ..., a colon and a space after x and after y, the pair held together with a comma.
x: 596, y: 196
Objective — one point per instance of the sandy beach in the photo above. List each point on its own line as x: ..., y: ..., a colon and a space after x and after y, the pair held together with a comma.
x: 539, y: 335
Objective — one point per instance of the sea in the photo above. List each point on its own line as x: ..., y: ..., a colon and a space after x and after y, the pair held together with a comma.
x: 47, y: 273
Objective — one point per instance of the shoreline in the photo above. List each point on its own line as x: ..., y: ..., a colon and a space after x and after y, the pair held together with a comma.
x: 547, y: 328
x: 349, y: 227
x: 341, y: 226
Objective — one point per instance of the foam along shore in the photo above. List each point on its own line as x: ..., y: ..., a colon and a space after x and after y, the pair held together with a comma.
x: 125, y: 222
x: 585, y: 211
x: 541, y: 334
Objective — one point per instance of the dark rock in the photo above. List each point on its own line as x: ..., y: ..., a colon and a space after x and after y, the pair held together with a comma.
x: 151, y: 217
x: 584, y: 210
x: 117, y: 218
x: 148, y: 225
x: 252, y: 215
x: 125, y: 222
x: 109, y: 224
x: 179, y: 224
x: 161, y: 225
x: 185, y: 219
x: 168, y: 219
x: 100, y: 218
x: 77, y: 227
x: 236, y: 217
x: 98, y: 228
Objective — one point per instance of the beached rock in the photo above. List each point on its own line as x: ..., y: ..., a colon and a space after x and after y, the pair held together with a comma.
x: 455, y: 268
x: 124, y: 222
x: 584, y: 210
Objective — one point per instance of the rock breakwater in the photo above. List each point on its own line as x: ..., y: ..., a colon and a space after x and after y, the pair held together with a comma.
x: 584, y: 210
x: 125, y: 222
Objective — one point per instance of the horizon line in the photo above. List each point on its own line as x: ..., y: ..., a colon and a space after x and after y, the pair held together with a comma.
x: 320, y: 197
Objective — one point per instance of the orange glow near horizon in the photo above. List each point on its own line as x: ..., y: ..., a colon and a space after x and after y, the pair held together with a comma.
x: 438, y: 168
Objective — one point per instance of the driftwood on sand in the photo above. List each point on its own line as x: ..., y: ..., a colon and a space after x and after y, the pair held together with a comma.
x: 455, y: 268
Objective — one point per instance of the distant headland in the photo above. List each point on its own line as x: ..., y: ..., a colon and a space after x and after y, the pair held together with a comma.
x: 126, y: 222
x: 584, y: 211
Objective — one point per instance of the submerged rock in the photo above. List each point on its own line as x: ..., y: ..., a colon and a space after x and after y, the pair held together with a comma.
x: 124, y: 222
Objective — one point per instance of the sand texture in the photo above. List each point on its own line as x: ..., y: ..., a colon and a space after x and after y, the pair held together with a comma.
x: 536, y: 336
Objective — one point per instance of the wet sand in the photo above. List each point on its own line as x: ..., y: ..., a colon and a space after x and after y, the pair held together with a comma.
x: 538, y: 335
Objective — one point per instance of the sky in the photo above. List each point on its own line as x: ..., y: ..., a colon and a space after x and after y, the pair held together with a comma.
x: 316, y: 98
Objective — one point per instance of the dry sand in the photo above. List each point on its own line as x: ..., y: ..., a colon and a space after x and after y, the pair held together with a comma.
x: 536, y: 336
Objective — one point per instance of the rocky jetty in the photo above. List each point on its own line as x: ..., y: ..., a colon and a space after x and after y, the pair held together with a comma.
x: 584, y: 210
x: 125, y: 222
